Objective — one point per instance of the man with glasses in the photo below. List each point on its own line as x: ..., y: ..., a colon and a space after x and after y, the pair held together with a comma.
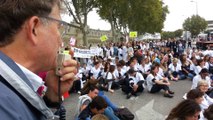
x: 29, y: 41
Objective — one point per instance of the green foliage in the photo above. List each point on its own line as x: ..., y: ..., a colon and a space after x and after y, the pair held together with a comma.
x: 166, y: 35
x: 175, y: 34
x: 138, y: 15
x: 195, y: 25
x: 79, y: 10
x: 178, y: 33
x: 147, y: 16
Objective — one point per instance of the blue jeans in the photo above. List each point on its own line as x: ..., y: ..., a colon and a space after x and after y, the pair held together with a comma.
x: 180, y: 74
x: 110, y: 114
x: 109, y: 103
x: 190, y: 75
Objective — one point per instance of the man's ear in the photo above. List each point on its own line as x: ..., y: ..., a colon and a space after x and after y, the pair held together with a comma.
x: 32, y: 29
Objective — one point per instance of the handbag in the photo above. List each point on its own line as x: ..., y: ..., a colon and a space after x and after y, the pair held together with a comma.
x: 124, y: 114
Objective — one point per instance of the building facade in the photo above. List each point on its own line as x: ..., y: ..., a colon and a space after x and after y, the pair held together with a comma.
x: 93, y: 35
x: 210, y: 26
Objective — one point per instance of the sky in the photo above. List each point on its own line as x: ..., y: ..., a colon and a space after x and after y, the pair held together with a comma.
x: 179, y: 11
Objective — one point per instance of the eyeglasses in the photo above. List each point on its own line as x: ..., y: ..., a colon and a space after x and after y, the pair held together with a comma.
x: 204, y: 85
x: 63, y: 26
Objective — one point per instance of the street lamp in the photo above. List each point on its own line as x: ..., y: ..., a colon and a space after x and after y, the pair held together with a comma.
x: 196, y: 6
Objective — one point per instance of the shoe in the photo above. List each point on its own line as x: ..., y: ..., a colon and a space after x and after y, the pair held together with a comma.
x: 128, y: 96
x: 79, y: 92
x: 171, y: 92
x: 136, y: 94
x: 121, y: 107
x: 168, y: 95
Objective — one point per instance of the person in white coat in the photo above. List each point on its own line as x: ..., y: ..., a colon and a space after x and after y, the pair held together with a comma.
x: 204, y: 75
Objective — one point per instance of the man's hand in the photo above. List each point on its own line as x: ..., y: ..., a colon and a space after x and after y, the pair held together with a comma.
x: 67, y: 75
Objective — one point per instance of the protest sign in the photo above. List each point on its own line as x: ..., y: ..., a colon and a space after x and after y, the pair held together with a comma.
x: 133, y: 34
x: 103, y: 38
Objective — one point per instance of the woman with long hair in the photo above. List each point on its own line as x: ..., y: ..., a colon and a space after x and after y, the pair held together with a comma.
x: 185, y: 65
x: 185, y: 110
x: 155, y: 82
x: 110, y: 78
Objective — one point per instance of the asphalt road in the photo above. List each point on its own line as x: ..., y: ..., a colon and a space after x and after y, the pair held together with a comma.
x: 145, y: 107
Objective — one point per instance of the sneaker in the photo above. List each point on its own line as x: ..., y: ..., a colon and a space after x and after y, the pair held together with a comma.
x: 168, y: 95
x: 171, y: 92
x: 144, y: 86
x: 79, y: 92
x: 128, y: 96
x: 121, y: 107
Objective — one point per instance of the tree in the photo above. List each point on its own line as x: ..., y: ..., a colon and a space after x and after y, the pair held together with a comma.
x: 115, y: 12
x: 138, y: 15
x: 178, y: 33
x: 147, y: 16
x: 172, y: 34
x: 167, y: 34
x: 79, y: 10
x: 195, y: 25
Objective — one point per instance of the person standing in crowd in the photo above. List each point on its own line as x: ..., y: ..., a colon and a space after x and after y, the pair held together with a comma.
x: 185, y: 110
x: 189, y: 43
x: 120, y: 52
x: 124, y: 52
x: 30, y: 29
x: 130, y: 51
x: 174, y: 47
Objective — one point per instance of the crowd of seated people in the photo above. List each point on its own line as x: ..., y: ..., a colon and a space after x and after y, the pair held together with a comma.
x: 145, y: 67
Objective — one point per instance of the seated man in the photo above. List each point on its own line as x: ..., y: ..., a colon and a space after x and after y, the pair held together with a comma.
x: 135, y: 84
x: 97, y: 106
x: 86, y: 99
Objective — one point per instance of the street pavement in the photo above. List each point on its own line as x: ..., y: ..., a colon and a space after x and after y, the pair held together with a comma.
x: 147, y: 106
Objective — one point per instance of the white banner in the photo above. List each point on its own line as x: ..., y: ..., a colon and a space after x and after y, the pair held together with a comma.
x: 147, y: 36
x: 85, y: 53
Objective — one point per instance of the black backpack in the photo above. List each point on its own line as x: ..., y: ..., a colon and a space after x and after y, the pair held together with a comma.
x: 124, y: 114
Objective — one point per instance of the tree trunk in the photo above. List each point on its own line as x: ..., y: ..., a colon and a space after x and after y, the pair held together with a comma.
x: 85, y: 42
x: 85, y: 30
x: 113, y: 32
